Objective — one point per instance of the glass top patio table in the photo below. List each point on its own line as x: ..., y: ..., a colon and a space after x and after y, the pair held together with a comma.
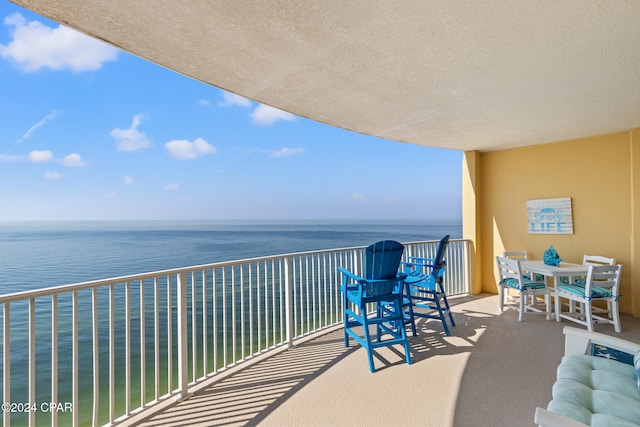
x: 564, y: 269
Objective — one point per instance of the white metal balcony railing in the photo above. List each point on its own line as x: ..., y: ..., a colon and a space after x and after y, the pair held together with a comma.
x: 95, y: 353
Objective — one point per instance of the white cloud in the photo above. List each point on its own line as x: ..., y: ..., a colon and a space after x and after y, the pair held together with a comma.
x: 73, y: 160
x: 265, y: 115
x: 358, y: 197
x: 183, y: 149
x: 231, y: 99
x: 204, y: 102
x: 36, y: 46
x: 38, y: 125
x: 287, y: 152
x: 174, y: 186
x: 111, y: 195
x: 128, y: 180
x: 131, y: 139
x: 52, y: 175
x: 40, y: 156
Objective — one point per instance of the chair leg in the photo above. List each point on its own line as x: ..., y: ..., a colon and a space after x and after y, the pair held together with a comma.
x: 367, y: 340
x: 408, y: 302
x: 412, y: 319
x: 345, y: 318
x: 616, y: 316
x: 547, y: 304
x: 558, y: 304
x: 346, y: 335
x: 403, y: 331
x: 446, y: 304
x: 379, y: 325
x: 501, y: 296
x: 589, y: 316
x: 346, y: 328
x: 523, y: 297
x: 434, y: 305
x: 443, y: 319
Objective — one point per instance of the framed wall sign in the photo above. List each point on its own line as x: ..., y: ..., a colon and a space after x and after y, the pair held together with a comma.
x: 550, y: 216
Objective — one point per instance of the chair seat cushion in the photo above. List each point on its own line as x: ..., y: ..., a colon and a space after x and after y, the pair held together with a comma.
x: 526, y: 284
x: 596, y: 391
x: 536, y: 277
x: 580, y: 290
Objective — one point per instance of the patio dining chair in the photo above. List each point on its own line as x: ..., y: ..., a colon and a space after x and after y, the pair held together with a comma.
x: 523, y: 256
x: 375, y: 299
x: 425, y: 295
x: 510, y: 277
x: 590, y: 260
x: 602, y: 284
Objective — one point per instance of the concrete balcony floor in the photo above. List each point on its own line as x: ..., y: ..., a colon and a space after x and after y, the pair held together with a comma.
x: 492, y: 371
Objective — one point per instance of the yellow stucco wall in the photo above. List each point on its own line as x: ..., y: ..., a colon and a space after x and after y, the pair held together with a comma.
x: 601, y: 175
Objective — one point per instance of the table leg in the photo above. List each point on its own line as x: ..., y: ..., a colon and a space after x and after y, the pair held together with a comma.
x: 557, y: 304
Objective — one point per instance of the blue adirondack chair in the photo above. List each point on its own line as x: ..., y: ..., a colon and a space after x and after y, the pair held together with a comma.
x: 424, y: 291
x: 376, y: 299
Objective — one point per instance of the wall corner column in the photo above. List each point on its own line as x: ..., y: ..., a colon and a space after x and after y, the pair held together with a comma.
x: 634, y: 250
x: 471, y: 215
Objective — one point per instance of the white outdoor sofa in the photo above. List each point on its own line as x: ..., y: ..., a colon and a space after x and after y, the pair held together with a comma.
x: 597, y: 384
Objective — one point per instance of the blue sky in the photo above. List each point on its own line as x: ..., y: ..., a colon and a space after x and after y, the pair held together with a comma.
x: 88, y: 132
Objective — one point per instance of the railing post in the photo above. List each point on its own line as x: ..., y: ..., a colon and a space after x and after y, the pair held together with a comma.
x: 356, y: 264
x: 54, y: 357
x: 6, y: 361
x: 183, y: 363
x: 32, y: 359
x: 288, y: 302
x: 75, y: 395
x: 467, y: 266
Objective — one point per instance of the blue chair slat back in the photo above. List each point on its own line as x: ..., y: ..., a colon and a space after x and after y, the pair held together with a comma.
x: 442, y: 247
x: 437, y: 272
x: 382, y: 260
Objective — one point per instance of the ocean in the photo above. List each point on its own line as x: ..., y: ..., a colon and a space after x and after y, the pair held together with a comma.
x: 36, y: 255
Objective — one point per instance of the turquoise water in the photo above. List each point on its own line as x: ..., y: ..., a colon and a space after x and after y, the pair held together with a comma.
x: 36, y: 255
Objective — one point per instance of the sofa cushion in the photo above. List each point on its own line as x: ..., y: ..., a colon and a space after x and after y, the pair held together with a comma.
x: 597, y: 391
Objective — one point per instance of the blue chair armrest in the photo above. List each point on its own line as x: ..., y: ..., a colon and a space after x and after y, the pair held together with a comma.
x: 400, y: 276
x: 416, y: 267
x: 421, y: 262
x: 422, y: 259
x: 416, y: 264
x: 350, y: 274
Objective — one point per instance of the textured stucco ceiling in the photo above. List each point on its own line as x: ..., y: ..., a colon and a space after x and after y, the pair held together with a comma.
x: 469, y: 75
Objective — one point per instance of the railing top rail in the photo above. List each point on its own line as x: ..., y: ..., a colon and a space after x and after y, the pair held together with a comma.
x: 53, y: 290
